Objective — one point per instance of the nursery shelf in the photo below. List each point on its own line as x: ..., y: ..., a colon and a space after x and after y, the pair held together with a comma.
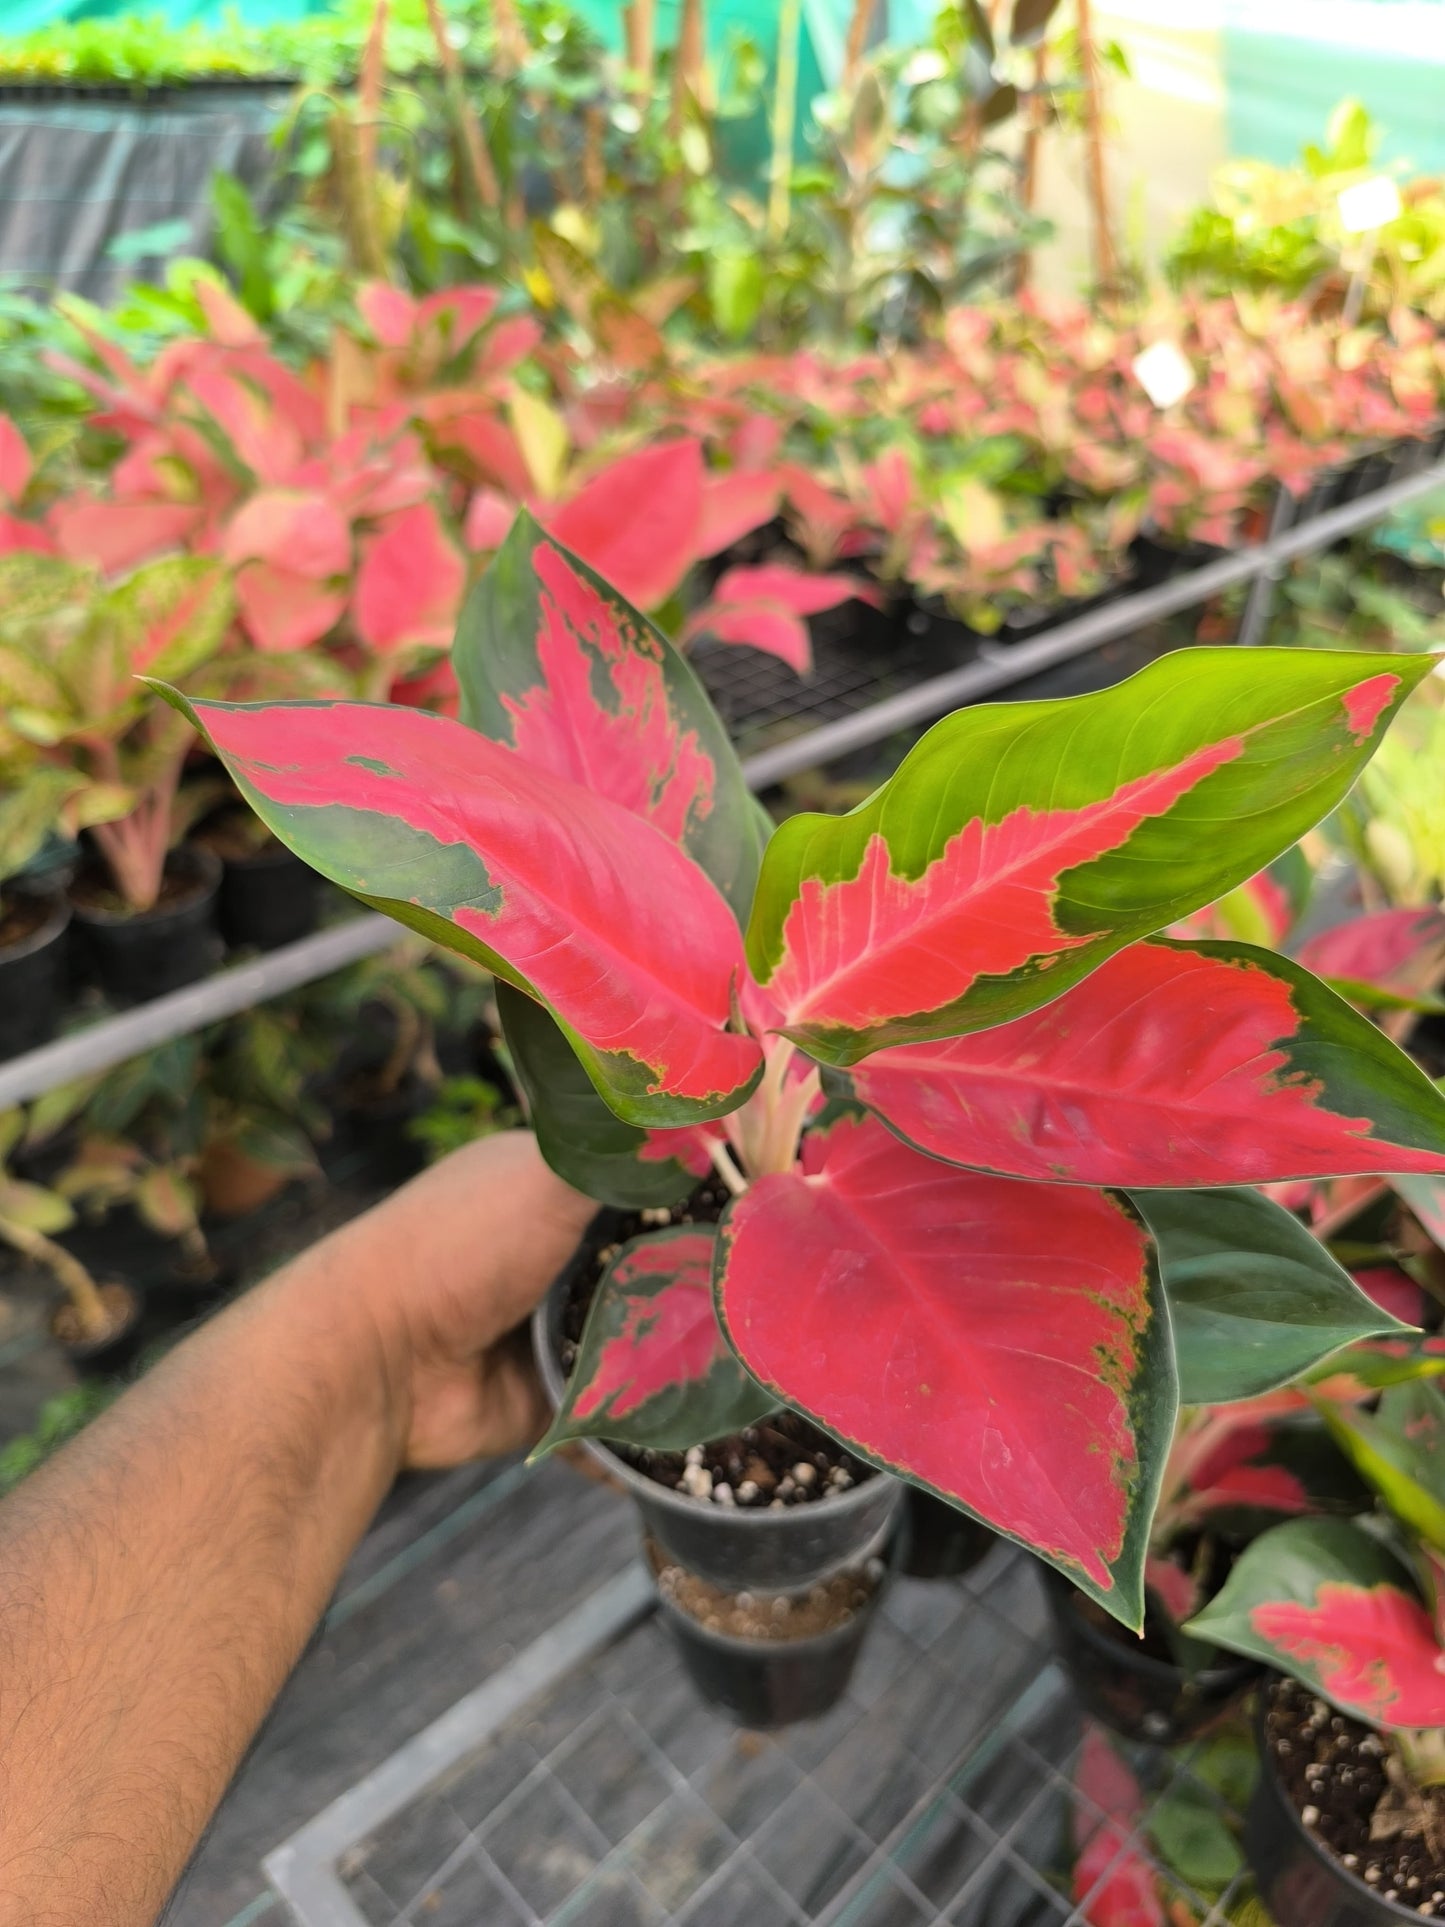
x: 112, y: 1041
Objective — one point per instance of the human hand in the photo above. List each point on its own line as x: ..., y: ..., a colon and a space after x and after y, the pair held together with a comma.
x: 448, y: 1269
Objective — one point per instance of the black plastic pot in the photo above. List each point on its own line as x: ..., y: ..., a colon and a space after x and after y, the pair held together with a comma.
x: 770, y: 1682
x: 134, y: 958
x: 1135, y: 1695
x: 31, y: 974
x: 115, y: 1353
x: 736, y: 1548
x: 268, y: 900
x: 939, y: 1541
x: 1300, y: 1880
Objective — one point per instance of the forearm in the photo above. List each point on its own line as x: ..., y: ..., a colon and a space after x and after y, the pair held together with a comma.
x: 159, y: 1580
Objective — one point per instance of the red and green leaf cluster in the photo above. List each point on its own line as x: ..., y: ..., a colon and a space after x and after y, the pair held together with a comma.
x: 966, y: 1271
x: 1356, y: 1609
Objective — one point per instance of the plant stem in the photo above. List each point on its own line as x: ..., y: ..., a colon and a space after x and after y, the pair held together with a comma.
x: 862, y: 20
x: 785, y: 111
x: 68, y: 1272
x: 640, y: 22
x: 723, y: 1164
x: 687, y: 65
x: 1106, y: 265
x: 1029, y: 163
x: 368, y: 101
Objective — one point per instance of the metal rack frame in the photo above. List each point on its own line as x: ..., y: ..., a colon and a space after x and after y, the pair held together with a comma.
x: 102, y: 1045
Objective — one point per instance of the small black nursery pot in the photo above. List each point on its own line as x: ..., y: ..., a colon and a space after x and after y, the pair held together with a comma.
x: 939, y: 1541
x: 1125, y: 1688
x: 738, y: 1549
x: 111, y: 1352
x: 133, y: 957
x: 769, y: 1681
x: 32, y: 961
x: 268, y: 899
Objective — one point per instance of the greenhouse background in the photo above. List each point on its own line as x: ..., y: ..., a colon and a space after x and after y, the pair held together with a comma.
x: 722, y: 963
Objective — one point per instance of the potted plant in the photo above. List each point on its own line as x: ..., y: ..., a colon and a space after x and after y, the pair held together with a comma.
x: 1348, y: 1825
x: 96, y: 1325
x: 34, y: 920
x: 874, y: 1074
x: 143, y: 903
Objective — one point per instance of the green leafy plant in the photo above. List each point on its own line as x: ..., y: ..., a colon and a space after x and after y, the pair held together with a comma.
x: 461, y: 1109
x: 31, y: 1216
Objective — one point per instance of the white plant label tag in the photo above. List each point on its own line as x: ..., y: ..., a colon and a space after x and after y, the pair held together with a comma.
x: 1163, y: 372
x: 1369, y: 204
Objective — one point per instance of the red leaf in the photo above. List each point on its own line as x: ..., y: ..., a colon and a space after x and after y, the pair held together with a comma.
x: 796, y: 589
x: 638, y: 521
x: 294, y: 530
x: 609, y: 923
x: 489, y: 516
x: 1392, y: 1291
x: 226, y: 320
x: 1400, y: 950
x: 16, y: 466
x: 1167, y: 1066
x: 918, y: 1313
x: 409, y: 585
x: 281, y: 611
x: 118, y: 536
x: 1373, y: 1647
x: 389, y: 312
x: 735, y: 504
x: 665, y: 1337
x: 759, y: 625
x: 16, y: 534
x: 1129, y: 1895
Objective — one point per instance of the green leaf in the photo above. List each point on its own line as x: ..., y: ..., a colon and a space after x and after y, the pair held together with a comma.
x: 584, y: 1141
x: 1256, y: 1300
x: 1400, y: 1452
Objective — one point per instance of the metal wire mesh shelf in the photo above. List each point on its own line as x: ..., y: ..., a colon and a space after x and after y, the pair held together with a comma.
x: 938, y: 1791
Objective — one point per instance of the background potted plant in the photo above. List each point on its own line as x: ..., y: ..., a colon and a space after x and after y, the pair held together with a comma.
x: 1348, y: 1824
x: 585, y: 832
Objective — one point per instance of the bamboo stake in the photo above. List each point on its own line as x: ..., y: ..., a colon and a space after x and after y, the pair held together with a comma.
x: 687, y: 66
x: 862, y: 20
x: 465, y: 123
x: 373, y: 78
x: 1106, y: 263
x: 785, y: 114
x: 1029, y: 164
x: 511, y: 41
x: 640, y: 23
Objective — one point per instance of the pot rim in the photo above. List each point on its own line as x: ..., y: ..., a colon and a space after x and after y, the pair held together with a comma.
x: 743, y: 1518
x: 1318, y: 1850
x: 1235, y: 1667
x: 205, y: 865
x: 54, y: 927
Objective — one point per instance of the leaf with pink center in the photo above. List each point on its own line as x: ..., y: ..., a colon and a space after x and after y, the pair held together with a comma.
x: 1400, y: 950
x: 1324, y: 1601
x: 918, y: 1313
x: 559, y: 666
x: 652, y: 1367
x: 638, y: 522
x: 1171, y: 1064
x: 409, y: 584
x: 1020, y: 845
x: 767, y: 608
x: 560, y: 891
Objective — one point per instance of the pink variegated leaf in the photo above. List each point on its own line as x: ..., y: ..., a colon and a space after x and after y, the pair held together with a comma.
x: 566, y: 895
x: 1111, y: 1875
x: 17, y: 534
x: 226, y: 320
x: 1029, y: 1381
x: 282, y: 611
x: 1323, y: 1600
x: 1399, y: 950
x: 953, y: 899
x: 652, y: 1367
x: 291, y: 529
x: 16, y: 466
x: 409, y: 585
x: 116, y: 536
x: 638, y: 521
x: 765, y: 608
x: 734, y: 505
x: 556, y: 664
x: 1170, y: 1065
x: 489, y: 518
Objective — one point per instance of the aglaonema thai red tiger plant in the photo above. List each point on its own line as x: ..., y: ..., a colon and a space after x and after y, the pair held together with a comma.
x: 1358, y: 1613
x: 961, y: 1267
